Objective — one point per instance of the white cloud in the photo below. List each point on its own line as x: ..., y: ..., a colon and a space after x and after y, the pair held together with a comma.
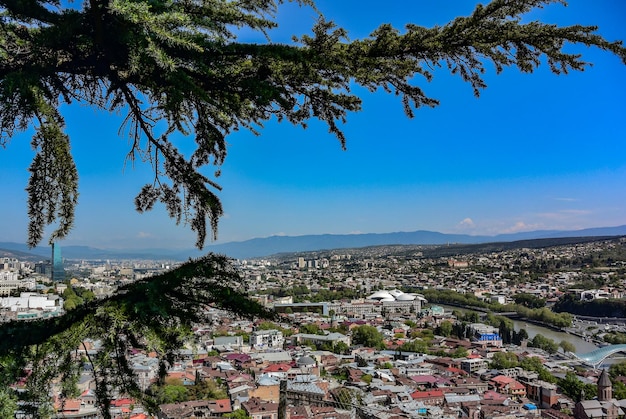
x: 522, y: 226
x: 144, y: 235
x: 467, y: 223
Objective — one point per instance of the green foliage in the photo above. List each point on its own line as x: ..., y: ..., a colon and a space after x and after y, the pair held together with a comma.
x: 8, y: 403
x: 311, y: 328
x: 445, y: 328
x: 173, y: 391
x: 519, y: 336
x: 532, y: 363
x: 340, y: 375
x: 599, y: 308
x: 237, y: 414
x: 469, y: 317
x: 504, y: 360
x: 341, y: 348
x: 619, y: 390
x: 416, y: 345
x: 616, y: 370
x: 459, y: 352
x: 543, y: 314
x: 567, y: 346
x: 529, y: 300
x: 615, y: 338
x: 542, y: 342
x: 574, y: 388
x: 178, y: 68
x: 368, y: 336
x: 74, y: 297
x: 154, y: 314
x: 346, y: 398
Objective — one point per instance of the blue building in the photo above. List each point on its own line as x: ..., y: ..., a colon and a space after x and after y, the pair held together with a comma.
x: 485, y: 335
x: 58, y: 271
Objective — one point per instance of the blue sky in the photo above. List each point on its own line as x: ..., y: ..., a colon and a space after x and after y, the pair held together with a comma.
x: 533, y: 152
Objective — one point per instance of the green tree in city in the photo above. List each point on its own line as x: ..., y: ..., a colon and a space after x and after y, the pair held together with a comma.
x: 519, y: 336
x: 619, y: 390
x: 567, y: 346
x: 529, y: 300
x: 504, y: 360
x: 237, y: 414
x: 505, y: 328
x: 172, y: 391
x: 532, y: 363
x: 574, y: 388
x: 71, y: 300
x: 416, y: 345
x: 368, y: 336
x: 310, y: 328
x: 459, y: 352
x: 341, y: 348
x: 445, y: 328
x: 542, y: 342
x: 616, y: 370
x: 206, y: 389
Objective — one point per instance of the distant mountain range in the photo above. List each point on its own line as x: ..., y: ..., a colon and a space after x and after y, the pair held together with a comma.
x: 286, y: 244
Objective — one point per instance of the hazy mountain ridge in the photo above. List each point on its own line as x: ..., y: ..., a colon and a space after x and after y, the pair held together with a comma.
x: 261, y: 247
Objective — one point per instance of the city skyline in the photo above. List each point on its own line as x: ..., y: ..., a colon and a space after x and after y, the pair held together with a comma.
x: 534, y: 152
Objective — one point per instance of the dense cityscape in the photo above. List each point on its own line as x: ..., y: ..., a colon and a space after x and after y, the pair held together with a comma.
x: 379, y: 332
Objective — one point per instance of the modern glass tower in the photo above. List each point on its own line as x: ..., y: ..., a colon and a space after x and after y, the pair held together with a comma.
x: 58, y: 272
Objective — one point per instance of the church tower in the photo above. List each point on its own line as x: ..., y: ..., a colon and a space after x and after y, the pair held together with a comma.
x: 605, y: 388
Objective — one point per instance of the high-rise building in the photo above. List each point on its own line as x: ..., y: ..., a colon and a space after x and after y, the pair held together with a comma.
x: 58, y: 272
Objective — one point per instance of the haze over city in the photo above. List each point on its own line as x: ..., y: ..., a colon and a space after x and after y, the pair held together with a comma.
x: 534, y: 152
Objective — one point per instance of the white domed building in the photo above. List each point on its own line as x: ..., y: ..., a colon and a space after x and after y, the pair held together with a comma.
x: 396, y: 301
x: 382, y: 296
x: 382, y: 301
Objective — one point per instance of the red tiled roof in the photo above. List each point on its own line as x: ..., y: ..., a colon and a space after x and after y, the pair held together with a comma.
x: 70, y: 405
x: 277, y: 368
x: 220, y: 406
x: 122, y: 402
x: 426, y: 394
x: 502, y: 379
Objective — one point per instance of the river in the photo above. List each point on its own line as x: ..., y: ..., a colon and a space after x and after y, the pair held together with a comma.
x: 582, y: 346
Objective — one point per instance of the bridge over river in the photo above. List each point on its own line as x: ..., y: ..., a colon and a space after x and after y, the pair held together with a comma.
x: 597, y: 356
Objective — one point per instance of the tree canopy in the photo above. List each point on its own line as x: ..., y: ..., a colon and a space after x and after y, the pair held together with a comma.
x: 368, y: 336
x: 153, y: 314
x: 177, y: 67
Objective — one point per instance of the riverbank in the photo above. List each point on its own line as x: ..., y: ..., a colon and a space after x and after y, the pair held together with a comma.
x: 581, y: 344
x: 508, y: 315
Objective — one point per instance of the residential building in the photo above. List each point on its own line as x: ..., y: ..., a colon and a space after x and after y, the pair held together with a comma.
x: 473, y: 365
x: 259, y: 409
x: 271, y: 338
